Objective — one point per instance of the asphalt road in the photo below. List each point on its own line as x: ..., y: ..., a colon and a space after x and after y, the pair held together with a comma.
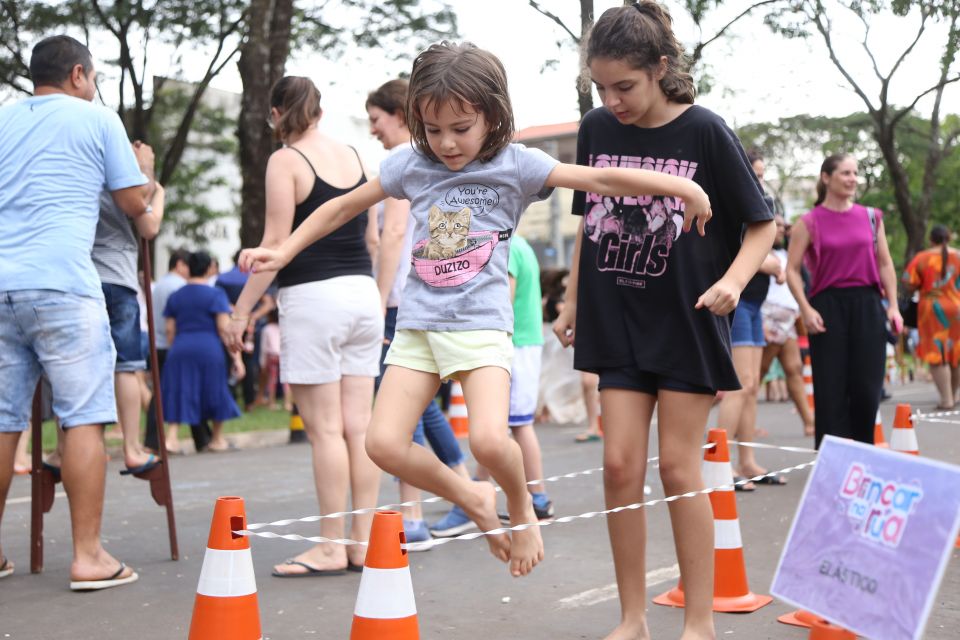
x: 461, y: 592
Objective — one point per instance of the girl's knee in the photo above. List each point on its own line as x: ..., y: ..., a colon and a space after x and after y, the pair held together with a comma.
x: 489, y: 448
x: 620, y: 471
x: 679, y: 475
x: 383, y: 450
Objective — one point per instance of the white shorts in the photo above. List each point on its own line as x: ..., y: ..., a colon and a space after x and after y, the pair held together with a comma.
x: 330, y: 329
x: 524, y: 384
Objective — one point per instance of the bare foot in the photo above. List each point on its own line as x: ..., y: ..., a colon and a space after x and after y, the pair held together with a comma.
x: 323, y: 557
x: 630, y: 631
x: 526, y: 547
x: 484, y: 512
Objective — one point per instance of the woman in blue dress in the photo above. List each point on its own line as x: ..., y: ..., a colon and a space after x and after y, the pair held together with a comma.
x: 194, y: 380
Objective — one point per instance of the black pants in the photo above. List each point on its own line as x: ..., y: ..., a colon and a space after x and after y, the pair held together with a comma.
x: 201, y: 432
x: 848, y: 362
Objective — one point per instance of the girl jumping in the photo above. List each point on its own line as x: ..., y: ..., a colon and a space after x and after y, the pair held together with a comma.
x: 648, y: 304
x: 467, y: 186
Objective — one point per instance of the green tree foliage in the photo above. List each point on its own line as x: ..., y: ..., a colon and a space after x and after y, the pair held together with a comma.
x: 896, y: 124
x: 794, y: 147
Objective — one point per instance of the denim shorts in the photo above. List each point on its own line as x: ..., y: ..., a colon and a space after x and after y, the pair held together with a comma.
x: 633, y: 379
x: 65, y: 336
x: 124, y: 312
x: 747, y: 329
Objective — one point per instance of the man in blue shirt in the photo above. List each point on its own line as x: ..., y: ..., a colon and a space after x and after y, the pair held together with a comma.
x: 57, y: 152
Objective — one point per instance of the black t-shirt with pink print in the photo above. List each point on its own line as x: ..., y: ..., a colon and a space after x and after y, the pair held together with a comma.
x: 640, y: 275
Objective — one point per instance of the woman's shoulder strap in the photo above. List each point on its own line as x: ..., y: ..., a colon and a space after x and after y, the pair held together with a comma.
x: 357, y: 153
x: 305, y: 159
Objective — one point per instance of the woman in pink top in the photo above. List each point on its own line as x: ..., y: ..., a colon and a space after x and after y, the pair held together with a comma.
x: 845, y: 250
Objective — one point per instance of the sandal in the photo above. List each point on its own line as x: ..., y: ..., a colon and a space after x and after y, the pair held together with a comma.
x: 588, y: 437
x: 740, y: 483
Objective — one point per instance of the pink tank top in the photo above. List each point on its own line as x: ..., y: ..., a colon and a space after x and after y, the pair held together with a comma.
x: 841, y: 252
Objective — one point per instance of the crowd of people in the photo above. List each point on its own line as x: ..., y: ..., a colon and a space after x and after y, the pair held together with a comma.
x: 420, y: 283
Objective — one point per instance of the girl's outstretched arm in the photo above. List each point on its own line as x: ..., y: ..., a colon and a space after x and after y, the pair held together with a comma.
x: 723, y: 296
x: 327, y: 218
x: 614, y: 181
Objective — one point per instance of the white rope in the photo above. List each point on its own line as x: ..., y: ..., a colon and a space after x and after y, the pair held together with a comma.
x: 919, y: 415
x: 429, y: 544
x: 410, y: 503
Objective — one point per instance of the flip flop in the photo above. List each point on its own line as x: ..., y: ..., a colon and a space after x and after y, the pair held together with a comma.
x: 356, y: 568
x: 740, y: 484
x: 588, y: 437
x: 6, y: 569
x: 312, y: 572
x: 20, y: 471
x: 774, y: 480
x: 105, y: 583
x: 151, y: 462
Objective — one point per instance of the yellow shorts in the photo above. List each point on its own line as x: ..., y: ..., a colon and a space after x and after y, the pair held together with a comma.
x: 446, y: 353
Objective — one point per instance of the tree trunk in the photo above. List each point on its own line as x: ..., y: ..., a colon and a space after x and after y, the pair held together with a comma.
x: 262, y: 60
x: 584, y: 90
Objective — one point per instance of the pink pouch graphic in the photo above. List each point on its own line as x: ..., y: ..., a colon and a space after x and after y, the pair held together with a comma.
x: 464, y: 266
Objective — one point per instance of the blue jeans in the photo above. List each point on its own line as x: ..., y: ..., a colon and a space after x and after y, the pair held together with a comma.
x: 67, y: 338
x: 432, y: 426
x: 124, y: 312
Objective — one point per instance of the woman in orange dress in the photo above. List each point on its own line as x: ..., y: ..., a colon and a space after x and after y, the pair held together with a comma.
x: 935, y: 273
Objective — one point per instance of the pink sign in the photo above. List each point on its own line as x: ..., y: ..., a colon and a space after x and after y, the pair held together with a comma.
x: 871, y: 539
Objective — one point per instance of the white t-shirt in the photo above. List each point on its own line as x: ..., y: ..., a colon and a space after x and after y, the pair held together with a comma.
x: 779, y: 294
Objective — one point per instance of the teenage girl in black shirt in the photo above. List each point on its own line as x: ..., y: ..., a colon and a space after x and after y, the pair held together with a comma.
x: 647, y: 304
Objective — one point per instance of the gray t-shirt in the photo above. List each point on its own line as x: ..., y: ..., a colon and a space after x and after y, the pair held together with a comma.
x: 462, y: 226
x: 115, y: 245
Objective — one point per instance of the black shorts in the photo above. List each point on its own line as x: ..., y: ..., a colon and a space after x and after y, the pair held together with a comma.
x: 633, y: 379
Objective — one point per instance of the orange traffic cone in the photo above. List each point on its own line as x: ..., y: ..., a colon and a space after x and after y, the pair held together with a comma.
x: 823, y: 630
x: 878, y: 439
x: 799, y: 618
x: 458, y: 411
x: 386, y: 609
x: 808, y: 381
x: 730, y: 590
x: 226, y: 604
x: 904, y: 438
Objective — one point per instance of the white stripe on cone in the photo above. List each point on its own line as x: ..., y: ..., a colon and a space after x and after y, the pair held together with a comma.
x: 904, y: 440
x: 458, y: 410
x: 385, y: 594
x: 226, y: 574
x: 726, y: 534
x: 716, y: 474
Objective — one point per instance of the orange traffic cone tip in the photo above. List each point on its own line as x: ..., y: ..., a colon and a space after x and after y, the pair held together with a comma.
x: 730, y: 590
x: 386, y: 608
x: 459, y: 421
x: 904, y: 436
x: 878, y: 439
x: 226, y: 604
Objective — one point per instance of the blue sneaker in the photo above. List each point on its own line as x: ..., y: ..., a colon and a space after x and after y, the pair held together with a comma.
x: 542, y: 506
x: 416, y: 531
x: 452, y: 524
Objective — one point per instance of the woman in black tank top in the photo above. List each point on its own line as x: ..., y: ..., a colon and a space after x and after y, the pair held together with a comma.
x: 331, y: 323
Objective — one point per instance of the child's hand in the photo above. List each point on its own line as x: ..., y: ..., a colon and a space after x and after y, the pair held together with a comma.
x: 564, y: 327
x: 262, y: 259
x: 720, y: 299
x: 696, y: 205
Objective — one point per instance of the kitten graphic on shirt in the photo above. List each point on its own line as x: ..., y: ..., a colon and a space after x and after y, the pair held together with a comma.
x: 448, y: 233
